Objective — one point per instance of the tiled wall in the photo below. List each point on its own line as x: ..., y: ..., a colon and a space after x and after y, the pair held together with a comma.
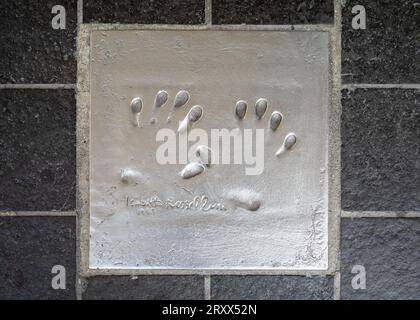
x: 380, y: 183
x: 381, y: 150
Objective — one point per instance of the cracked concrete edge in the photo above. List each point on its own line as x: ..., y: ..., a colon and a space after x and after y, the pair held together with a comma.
x: 83, y: 106
x: 212, y: 27
x: 202, y: 272
x: 82, y: 155
x: 83, y: 56
x: 334, y: 143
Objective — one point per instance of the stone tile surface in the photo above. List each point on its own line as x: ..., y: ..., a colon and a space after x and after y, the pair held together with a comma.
x: 144, y: 288
x: 29, y: 248
x: 31, y: 50
x: 380, y: 150
x: 389, y: 251
x: 37, y: 139
x: 271, y: 288
x: 144, y: 12
x: 387, y: 50
x: 272, y: 11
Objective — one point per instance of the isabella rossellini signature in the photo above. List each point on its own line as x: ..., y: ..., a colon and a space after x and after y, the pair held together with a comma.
x: 202, y: 203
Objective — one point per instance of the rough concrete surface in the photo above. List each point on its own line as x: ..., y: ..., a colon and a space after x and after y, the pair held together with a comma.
x: 37, y: 142
x: 380, y: 150
x: 31, y: 50
x: 143, y: 12
x: 387, y: 50
x: 144, y: 288
x: 29, y: 248
x: 388, y: 249
x: 271, y: 288
x: 272, y: 11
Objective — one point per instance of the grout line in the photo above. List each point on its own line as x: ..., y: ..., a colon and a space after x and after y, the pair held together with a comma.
x: 80, y: 284
x: 79, y: 12
x: 353, y: 86
x: 207, y: 287
x: 37, y: 86
x: 337, y: 286
x: 208, y: 13
x: 80, y: 281
x: 37, y: 213
x: 380, y: 214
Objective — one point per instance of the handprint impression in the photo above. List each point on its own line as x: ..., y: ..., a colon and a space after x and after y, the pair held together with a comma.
x: 204, y: 153
x: 243, y: 197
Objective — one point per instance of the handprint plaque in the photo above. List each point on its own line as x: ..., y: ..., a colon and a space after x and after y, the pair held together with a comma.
x: 209, y: 150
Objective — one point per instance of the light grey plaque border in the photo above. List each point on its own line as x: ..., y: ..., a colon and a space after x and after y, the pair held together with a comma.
x: 83, y: 143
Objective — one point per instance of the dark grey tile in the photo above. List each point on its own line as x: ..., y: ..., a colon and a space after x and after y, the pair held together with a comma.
x: 144, y: 288
x: 380, y: 57
x: 31, y: 50
x: 380, y: 149
x: 272, y: 11
x: 144, y: 11
x: 37, y: 143
x: 29, y: 248
x: 271, y: 288
x: 387, y: 50
x: 388, y: 249
x: 387, y: 15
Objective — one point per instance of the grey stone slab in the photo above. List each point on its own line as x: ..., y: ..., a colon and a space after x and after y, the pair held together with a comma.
x: 144, y: 288
x: 272, y: 11
x: 271, y: 288
x: 29, y: 248
x: 389, y: 251
x: 37, y: 142
x: 31, y: 50
x: 387, y: 50
x: 380, y: 150
x: 144, y: 12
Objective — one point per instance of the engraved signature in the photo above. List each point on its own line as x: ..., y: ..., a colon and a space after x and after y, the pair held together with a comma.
x: 202, y: 203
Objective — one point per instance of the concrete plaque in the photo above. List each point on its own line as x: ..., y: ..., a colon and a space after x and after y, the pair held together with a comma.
x: 209, y: 150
